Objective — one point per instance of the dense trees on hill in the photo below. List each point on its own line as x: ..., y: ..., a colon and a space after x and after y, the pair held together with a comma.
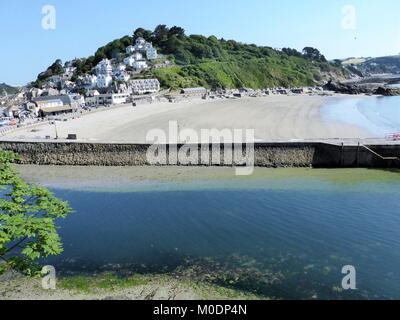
x: 313, y: 54
x: 55, y: 69
x: 218, y: 62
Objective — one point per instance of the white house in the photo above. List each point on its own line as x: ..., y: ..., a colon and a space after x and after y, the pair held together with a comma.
x: 151, y: 53
x: 119, y: 68
x: 77, y: 99
x: 104, y: 67
x: 140, y: 65
x: 112, y: 98
x: 122, y: 76
x: 137, y: 56
x: 140, y: 44
x: 129, y: 61
x: 130, y: 50
x: 91, y: 98
x: 69, y: 72
x: 104, y: 81
x: 89, y: 81
x: 142, y: 86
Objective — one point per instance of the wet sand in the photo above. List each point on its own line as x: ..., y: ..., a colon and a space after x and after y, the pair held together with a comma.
x: 128, y: 179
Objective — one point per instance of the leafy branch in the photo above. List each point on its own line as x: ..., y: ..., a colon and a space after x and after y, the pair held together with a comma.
x: 28, y: 217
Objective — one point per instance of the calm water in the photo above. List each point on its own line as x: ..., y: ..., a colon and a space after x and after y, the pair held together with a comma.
x: 286, y: 239
x: 380, y: 116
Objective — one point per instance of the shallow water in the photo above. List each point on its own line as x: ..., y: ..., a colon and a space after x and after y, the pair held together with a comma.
x: 283, y: 234
x: 395, y: 85
x: 380, y: 116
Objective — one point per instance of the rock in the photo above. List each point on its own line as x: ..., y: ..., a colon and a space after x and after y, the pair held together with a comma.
x: 385, y: 91
x: 342, y: 88
x: 361, y: 88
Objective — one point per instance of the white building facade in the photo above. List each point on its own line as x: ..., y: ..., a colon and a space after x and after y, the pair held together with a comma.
x: 142, y: 86
x: 104, y: 81
x: 104, y: 67
x: 112, y: 98
x: 89, y: 81
x: 122, y: 76
x: 151, y: 54
x: 140, y: 65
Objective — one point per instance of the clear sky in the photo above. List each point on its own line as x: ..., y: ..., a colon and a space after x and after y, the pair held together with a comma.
x: 84, y: 25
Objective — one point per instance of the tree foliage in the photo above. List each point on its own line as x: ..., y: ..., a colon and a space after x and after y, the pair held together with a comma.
x: 313, y: 54
x: 27, y: 219
x: 55, y: 69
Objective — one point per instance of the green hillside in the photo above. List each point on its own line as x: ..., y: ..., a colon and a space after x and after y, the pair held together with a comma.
x: 232, y: 73
x: 8, y: 89
x: 371, y: 66
x: 219, y: 63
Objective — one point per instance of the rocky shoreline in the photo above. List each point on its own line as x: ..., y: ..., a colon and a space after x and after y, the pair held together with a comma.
x: 355, y: 88
x: 14, y: 286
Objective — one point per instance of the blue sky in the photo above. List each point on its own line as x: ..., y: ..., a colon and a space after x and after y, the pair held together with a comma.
x: 82, y: 26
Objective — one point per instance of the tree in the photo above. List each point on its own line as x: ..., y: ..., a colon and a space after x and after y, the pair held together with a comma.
x: 313, y: 54
x: 291, y: 52
x: 171, y: 44
x: 177, y: 31
x: 142, y: 33
x: 27, y: 219
x: 160, y: 34
x: 55, y: 69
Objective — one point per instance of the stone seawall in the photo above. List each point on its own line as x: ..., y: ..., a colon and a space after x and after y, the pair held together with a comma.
x: 317, y: 155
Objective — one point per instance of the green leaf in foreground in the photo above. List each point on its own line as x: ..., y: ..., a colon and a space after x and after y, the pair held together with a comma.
x: 27, y: 219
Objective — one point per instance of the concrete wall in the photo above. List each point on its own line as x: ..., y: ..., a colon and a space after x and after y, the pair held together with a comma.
x: 316, y: 155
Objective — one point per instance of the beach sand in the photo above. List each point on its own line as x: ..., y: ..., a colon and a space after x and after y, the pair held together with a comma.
x: 273, y: 118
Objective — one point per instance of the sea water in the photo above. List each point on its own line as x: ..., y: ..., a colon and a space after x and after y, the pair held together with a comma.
x: 284, y: 237
x: 380, y: 116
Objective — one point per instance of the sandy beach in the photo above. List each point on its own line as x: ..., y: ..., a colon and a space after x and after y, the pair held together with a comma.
x: 272, y: 118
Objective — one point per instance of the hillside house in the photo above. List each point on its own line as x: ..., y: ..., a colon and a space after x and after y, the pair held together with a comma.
x: 140, y: 65
x: 122, y: 76
x: 89, y: 81
x: 119, y: 68
x: 104, y: 67
x: 129, y: 50
x: 142, y: 86
x: 129, y: 61
x: 104, y: 81
x: 151, y: 54
x: 140, y: 44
